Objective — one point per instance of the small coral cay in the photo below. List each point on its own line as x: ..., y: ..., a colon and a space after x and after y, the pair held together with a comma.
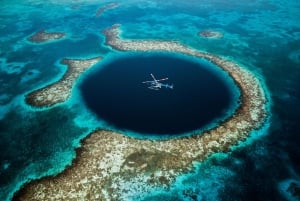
x: 102, y: 9
x: 210, y: 34
x: 43, y: 36
x: 60, y: 91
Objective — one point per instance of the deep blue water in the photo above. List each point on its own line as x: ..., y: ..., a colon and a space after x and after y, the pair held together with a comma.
x: 116, y: 94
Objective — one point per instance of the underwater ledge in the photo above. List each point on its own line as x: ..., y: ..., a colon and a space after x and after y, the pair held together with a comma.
x: 111, y: 166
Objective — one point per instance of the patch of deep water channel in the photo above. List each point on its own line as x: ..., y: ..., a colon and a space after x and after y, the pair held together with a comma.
x: 202, y: 95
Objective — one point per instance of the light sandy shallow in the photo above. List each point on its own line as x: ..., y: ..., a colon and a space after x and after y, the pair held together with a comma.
x: 111, y: 166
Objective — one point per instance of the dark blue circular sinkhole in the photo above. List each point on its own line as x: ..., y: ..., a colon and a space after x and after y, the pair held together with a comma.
x: 116, y: 94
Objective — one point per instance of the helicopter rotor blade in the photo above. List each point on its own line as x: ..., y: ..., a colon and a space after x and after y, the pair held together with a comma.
x: 147, y: 81
x: 162, y: 79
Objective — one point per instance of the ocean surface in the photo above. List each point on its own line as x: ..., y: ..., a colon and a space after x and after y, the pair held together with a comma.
x: 260, y: 35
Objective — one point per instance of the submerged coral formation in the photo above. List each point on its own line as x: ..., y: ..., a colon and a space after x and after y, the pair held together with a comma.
x: 294, y: 189
x: 112, y: 166
x: 43, y: 36
x: 102, y: 9
x: 210, y: 34
x: 60, y: 91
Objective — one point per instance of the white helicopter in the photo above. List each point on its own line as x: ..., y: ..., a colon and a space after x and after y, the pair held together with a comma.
x: 156, y: 84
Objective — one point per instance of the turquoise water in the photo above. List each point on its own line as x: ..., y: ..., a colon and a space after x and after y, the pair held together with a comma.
x: 263, y: 36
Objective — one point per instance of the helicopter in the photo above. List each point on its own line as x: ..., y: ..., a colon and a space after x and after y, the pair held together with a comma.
x: 156, y: 84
